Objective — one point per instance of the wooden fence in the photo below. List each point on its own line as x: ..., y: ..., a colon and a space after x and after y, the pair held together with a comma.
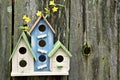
x: 96, y: 22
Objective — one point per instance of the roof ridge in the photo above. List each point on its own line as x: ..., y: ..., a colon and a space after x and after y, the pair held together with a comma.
x: 27, y: 43
x: 38, y: 19
x: 56, y: 47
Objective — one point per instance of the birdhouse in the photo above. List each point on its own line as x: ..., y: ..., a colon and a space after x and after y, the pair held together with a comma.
x: 22, y: 57
x: 42, y: 42
x: 60, y: 59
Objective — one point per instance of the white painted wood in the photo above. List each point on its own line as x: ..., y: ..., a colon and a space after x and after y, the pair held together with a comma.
x: 66, y: 58
x: 54, y: 67
x: 42, y: 51
x: 65, y: 63
x: 16, y: 68
x: 42, y: 66
x: 14, y: 63
x: 40, y: 74
x: 42, y: 36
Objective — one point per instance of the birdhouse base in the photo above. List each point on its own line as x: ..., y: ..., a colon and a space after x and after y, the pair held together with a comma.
x: 40, y: 74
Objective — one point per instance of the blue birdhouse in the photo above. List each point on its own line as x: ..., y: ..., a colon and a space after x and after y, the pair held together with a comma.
x: 42, y: 42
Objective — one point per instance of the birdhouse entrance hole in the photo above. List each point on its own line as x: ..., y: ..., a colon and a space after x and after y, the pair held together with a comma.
x: 42, y: 28
x: 22, y: 50
x: 59, y: 58
x: 22, y: 63
x: 42, y: 43
x: 42, y: 58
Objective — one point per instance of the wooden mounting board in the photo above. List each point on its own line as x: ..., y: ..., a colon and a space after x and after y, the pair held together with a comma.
x: 40, y: 74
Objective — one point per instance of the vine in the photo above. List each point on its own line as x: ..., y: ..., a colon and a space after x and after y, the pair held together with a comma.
x: 53, y: 8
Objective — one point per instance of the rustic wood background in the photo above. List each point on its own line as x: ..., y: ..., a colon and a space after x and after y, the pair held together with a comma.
x: 94, y: 21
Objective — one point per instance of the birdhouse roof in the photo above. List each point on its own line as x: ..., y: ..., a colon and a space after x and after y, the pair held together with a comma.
x: 36, y: 22
x: 58, y: 45
x: 24, y: 37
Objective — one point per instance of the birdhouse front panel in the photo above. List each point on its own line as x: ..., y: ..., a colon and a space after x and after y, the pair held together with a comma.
x: 42, y: 43
x: 60, y: 61
x: 22, y: 61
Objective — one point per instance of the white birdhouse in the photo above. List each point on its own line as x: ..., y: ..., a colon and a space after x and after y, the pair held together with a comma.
x: 22, y: 57
x: 60, y: 59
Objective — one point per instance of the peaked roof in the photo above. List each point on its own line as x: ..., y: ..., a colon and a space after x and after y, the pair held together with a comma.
x: 39, y: 18
x: 57, y: 45
x: 23, y: 35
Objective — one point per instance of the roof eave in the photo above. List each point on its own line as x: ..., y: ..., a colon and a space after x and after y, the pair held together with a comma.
x: 32, y: 28
x: 25, y: 39
x: 56, y: 47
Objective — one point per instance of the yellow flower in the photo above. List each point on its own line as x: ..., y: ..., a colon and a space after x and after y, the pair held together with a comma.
x: 47, y: 11
x: 55, y: 9
x: 27, y: 19
x: 39, y: 13
x: 52, y: 3
x: 26, y: 28
x: 24, y: 17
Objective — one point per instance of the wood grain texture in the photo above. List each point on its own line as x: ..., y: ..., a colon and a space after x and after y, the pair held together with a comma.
x: 5, y: 38
x: 94, y: 21
x: 100, y: 31
x: 118, y: 25
x: 102, y: 35
x: 78, y: 63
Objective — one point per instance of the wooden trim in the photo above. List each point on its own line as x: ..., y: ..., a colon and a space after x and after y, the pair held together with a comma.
x: 34, y: 24
x: 42, y: 51
x: 49, y: 25
x: 38, y: 21
x: 42, y: 66
x: 40, y: 74
x: 42, y: 36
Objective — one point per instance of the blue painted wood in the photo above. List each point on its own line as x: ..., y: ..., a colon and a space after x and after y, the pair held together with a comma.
x: 48, y: 47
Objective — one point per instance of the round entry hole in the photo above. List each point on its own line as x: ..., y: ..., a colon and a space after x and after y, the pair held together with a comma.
x: 22, y: 50
x: 42, y: 58
x: 22, y: 63
x: 42, y: 28
x: 59, y: 58
x: 42, y: 43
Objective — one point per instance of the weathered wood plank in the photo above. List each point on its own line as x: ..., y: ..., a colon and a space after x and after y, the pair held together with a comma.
x: 118, y: 25
x: 76, y: 40
x: 5, y: 38
x: 102, y: 35
x: 99, y: 23
x: 24, y: 7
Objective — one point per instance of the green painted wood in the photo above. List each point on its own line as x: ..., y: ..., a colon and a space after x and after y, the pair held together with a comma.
x: 5, y: 38
x: 58, y: 45
x: 24, y: 37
